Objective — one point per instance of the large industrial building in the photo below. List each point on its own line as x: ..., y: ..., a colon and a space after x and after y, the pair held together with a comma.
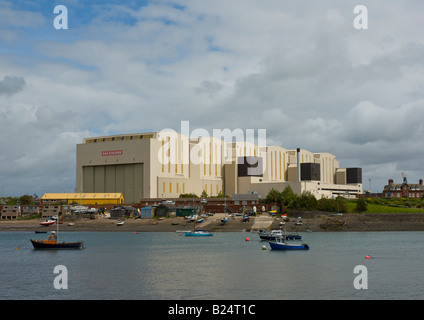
x: 167, y: 164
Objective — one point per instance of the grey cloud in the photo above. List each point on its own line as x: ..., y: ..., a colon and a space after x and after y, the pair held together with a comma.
x: 209, y: 87
x: 11, y: 85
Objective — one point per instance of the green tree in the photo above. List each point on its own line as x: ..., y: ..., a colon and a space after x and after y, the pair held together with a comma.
x: 361, y: 205
x: 273, y: 196
x: 222, y: 195
x: 204, y: 194
x: 341, y: 204
x: 188, y: 195
x: 326, y: 204
x: 308, y: 201
x: 288, y: 197
x: 26, y: 200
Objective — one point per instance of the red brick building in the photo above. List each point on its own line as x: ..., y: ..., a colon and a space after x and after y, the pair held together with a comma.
x: 409, y: 190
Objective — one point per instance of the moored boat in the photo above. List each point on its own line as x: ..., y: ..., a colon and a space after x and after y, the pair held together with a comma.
x: 282, y: 244
x: 47, y: 222
x: 52, y: 243
x: 273, y: 234
x: 198, y: 233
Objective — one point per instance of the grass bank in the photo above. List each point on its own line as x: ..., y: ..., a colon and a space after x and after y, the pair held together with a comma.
x: 382, y: 208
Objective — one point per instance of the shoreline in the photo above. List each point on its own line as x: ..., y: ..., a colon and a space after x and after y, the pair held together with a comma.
x: 322, y: 222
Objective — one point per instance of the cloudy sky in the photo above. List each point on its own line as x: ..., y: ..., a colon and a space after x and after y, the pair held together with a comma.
x: 298, y: 69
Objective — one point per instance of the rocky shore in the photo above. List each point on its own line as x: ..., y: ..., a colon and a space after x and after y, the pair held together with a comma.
x: 322, y: 222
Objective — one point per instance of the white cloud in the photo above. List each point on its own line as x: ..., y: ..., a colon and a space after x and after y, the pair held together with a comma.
x: 296, y: 68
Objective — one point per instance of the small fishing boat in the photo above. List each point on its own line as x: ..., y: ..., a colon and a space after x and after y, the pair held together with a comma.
x: 245, y: 218
x: 121, y: 223
x: 283, y: 244
x: 225, y: 220
x: 298, y: 221
x: 273, y: 234
x: 52, y: 243
x: 47, y: 222
x: 198, y: 233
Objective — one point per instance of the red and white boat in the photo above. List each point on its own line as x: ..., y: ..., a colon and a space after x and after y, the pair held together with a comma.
x: 48, y: 222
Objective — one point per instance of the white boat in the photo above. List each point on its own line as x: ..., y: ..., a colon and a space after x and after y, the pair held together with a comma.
x: 198, y: 233
x: 192, y: 217
x: 79, y: 209
x: 273, y: 234
x: 121, y: 223
x: 47, y: 222
x: 298, y: 221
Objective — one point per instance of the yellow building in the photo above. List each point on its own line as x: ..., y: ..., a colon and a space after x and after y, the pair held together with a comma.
x: 83, y: 198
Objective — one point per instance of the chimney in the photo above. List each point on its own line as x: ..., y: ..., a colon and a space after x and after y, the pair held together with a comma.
x: 421, y: 182
x: 298, y: 164
x: 390, y: 181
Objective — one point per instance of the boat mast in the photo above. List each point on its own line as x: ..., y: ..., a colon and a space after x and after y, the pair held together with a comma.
x: 57, y: 228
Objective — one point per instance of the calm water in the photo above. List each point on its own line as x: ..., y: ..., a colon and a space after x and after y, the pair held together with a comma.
x: 121, y: 265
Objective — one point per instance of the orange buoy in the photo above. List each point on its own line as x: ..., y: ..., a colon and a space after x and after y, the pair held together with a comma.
x: 367, y: 257
x: 247, y: 239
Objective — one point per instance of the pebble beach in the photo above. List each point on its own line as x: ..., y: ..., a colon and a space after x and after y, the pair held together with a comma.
x: 316, y: 223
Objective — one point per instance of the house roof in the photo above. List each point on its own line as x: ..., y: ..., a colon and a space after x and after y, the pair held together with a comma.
x: 398, y: 186
x: 78, y: 196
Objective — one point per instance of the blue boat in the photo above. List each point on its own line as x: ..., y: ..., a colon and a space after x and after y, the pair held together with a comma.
x: 282, y: 244
x: 198, y: 233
